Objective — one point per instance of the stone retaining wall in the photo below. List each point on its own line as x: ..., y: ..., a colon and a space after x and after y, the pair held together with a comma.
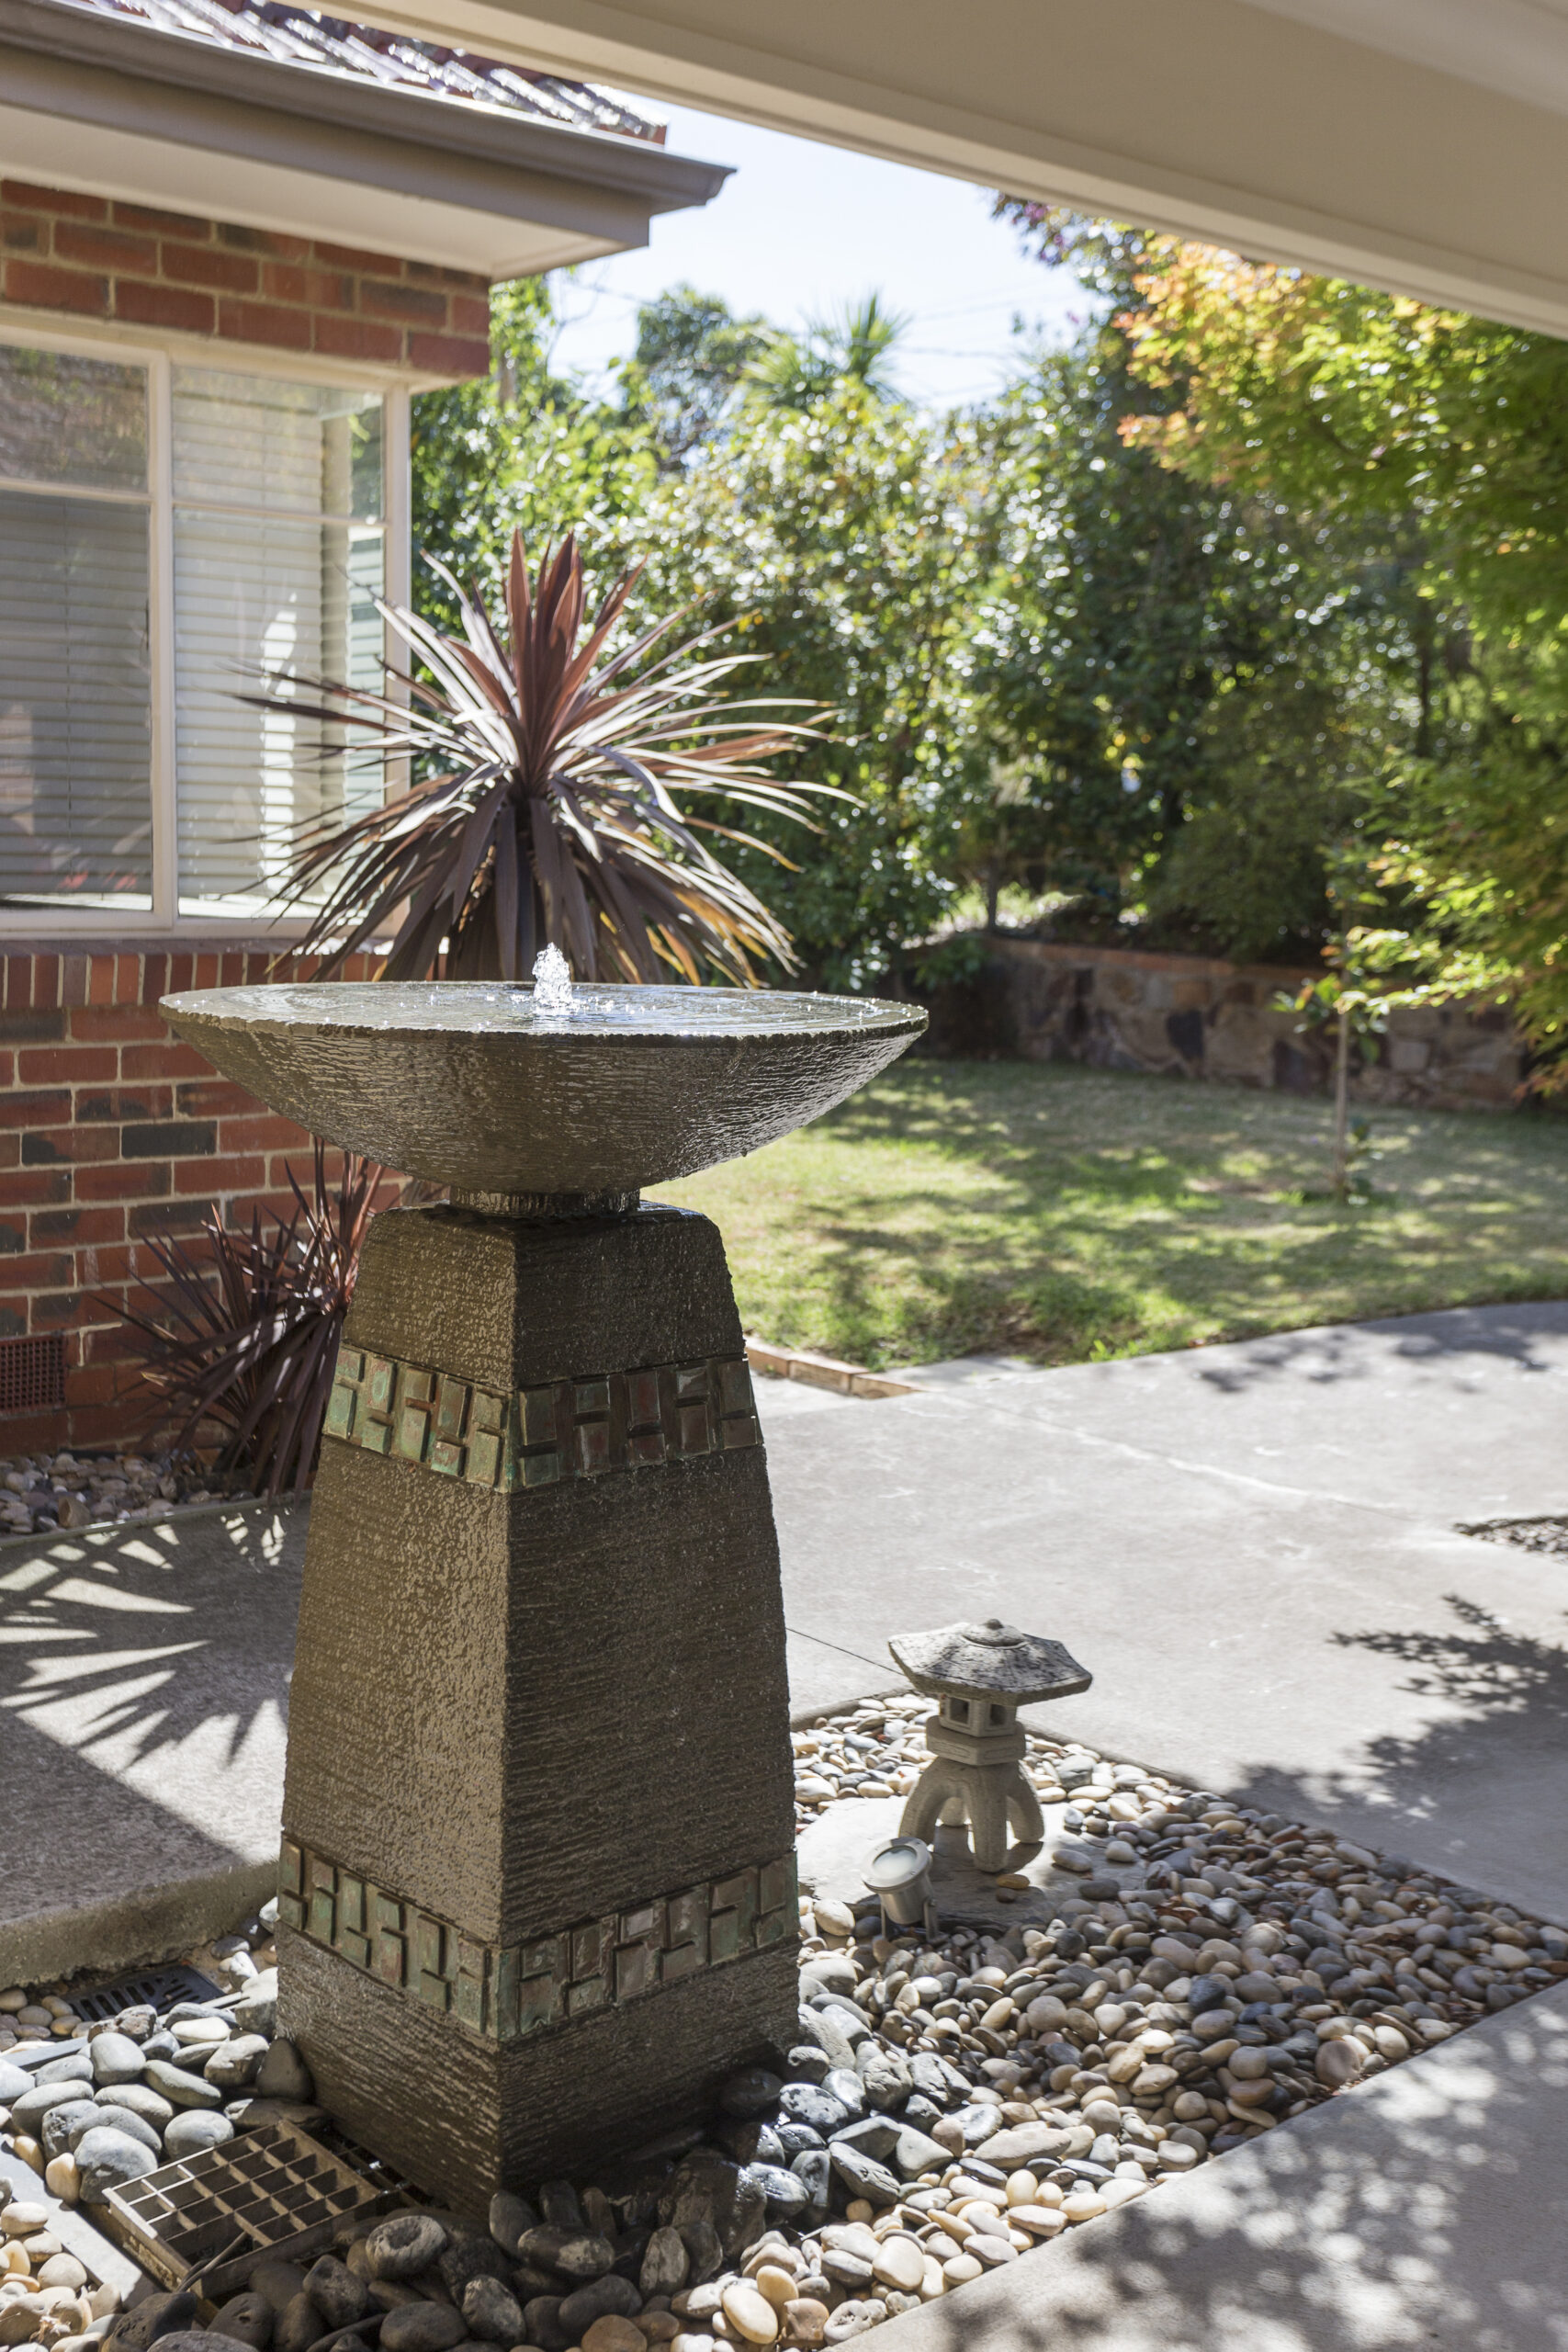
x: 111, y: 1130
x: 1196, y: 1016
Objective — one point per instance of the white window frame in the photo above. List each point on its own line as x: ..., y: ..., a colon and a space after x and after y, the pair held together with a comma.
x: 58, y: 918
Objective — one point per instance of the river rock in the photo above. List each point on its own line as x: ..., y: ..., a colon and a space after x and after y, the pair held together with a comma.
x: 337, y: 2294
x: 585, y: 2304
x: 73, y: 2116
x: 181, y: 2088
x: 403, y: 2245
x: 138, y: 2099
x: 862, y: 2176
x: 492, y: 2311
x: 422, y: 2327
x: 753, y: 2091
x: 234, y: 2063
x: 106, y: 2159
x: 256, y: 2011
x: 283, y: 2074
x: 665, y: 2263
x: 197, y: 2129
x: 115, y: 2058
x: 541, y: 2324
x: 576, y: 2254
x: 509, y: 2216
x: 248, y: 2319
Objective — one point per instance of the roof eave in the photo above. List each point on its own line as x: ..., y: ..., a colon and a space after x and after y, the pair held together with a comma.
x: 115, y: 75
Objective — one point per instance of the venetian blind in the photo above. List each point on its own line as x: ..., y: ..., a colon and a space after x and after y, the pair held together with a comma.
x: 277, y: 552
x: 75, y: 704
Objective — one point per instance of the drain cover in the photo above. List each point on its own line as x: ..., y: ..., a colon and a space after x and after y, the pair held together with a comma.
x: 274, y: 2190
x: 154, y: 1988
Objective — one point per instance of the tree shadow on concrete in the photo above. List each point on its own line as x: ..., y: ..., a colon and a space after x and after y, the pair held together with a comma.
x: 1481, y: 1793
x: 143, y: 1693
x: 1443, y: 1338
x: 1423, y: 2210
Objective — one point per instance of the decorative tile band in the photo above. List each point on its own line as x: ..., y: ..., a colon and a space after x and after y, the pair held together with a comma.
x: 537, y: 1437
x: 524, y: 1989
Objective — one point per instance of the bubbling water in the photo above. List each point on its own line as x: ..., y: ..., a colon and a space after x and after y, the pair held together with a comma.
x: 552, y: 981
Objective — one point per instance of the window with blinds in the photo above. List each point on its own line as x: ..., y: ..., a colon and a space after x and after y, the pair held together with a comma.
x: 279, y: 550
x: 75, y: 671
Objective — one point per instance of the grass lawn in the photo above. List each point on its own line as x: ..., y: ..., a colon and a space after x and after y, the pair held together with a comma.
x: 1060, y: 1213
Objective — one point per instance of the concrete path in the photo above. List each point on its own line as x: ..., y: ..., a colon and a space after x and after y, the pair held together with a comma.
x: 1253, y: 1548
x: 1428, y: 2209
x: 143, y: 1695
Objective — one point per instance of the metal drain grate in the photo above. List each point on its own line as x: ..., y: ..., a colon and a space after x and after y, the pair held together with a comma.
x: 33, y: 1374
x: 273, y: 2190
x: 155, y: 1988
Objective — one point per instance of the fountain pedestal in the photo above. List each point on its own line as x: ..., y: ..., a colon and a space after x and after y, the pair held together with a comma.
x: 537, y: 1883
x: 538, y: 1817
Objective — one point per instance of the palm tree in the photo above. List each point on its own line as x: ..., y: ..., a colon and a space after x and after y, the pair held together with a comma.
x: 856, y: 348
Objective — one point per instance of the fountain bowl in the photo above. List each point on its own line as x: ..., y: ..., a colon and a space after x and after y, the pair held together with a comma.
x: 470, y: 1084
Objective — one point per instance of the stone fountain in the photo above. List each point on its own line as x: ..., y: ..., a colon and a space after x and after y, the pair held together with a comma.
x: 538, y: 1883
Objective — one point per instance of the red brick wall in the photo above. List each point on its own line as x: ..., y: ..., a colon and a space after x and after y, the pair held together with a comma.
x: 95, y: 258
x: 111, y: 1130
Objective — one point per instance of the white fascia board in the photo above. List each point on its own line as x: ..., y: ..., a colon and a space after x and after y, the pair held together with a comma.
x: 1235, y: 123
x: 118, y: 109
x: 176, y: 176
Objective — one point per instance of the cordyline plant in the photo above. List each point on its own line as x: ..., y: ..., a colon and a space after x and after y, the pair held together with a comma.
x: 547, y: 812
x: 247, y: 1331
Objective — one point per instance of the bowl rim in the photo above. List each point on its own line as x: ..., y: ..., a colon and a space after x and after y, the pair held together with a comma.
x: 859, y: 1016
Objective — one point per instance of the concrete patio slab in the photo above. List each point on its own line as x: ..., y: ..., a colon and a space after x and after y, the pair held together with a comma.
x: 1282, y: 1631
x: 1251, y: 1546
x: 1429, y: 2208
x: 143, y: 1696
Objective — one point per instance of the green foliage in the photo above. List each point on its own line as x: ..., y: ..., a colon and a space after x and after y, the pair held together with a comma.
x: 846, y: 547
x: 1199, y: 680
x: 521, y: 449
x: 692, y: 352
x: 1448, y: 436
x: 795, y: 371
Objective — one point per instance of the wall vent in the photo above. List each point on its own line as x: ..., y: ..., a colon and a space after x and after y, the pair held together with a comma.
x: 33, y: 1374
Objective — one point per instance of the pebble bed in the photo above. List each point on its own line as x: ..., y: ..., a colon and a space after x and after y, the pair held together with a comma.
x: 1209, y: 1972
x: 41, y: 1492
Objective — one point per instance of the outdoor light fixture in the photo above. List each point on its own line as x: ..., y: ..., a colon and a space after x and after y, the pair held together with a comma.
x: 899, y: 1874
x: 980, y: 1674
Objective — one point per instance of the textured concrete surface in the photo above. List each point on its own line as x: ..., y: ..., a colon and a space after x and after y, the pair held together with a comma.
x: 1428, y: 2209
x: 143, y: 1691
x: 1253, y: 1549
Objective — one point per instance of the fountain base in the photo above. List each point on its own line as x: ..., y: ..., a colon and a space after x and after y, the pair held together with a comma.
x: 536, y: 1889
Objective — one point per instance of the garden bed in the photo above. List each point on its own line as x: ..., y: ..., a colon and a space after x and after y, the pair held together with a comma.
x: 1202, y: 1975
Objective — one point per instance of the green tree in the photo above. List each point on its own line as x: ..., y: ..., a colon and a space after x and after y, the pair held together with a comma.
x: 795, y: 371
x: 846, y: 545
x: 524, y: 449
x: 692, y: 352
x: 1452, y: 433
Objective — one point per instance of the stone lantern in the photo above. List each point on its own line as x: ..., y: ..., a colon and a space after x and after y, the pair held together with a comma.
x: 980, y: 1674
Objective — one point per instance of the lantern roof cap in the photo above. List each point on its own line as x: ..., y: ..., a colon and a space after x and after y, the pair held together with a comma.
x: 988, y: 1660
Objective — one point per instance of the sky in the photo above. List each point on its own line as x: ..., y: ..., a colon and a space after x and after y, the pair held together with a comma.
x: 801, y: 231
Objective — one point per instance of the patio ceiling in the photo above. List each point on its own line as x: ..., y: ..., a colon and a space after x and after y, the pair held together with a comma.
x: 1415, y: 144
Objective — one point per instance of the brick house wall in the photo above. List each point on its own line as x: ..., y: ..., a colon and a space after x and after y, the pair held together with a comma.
x: 95, y: 257
x: 112, y: 1130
